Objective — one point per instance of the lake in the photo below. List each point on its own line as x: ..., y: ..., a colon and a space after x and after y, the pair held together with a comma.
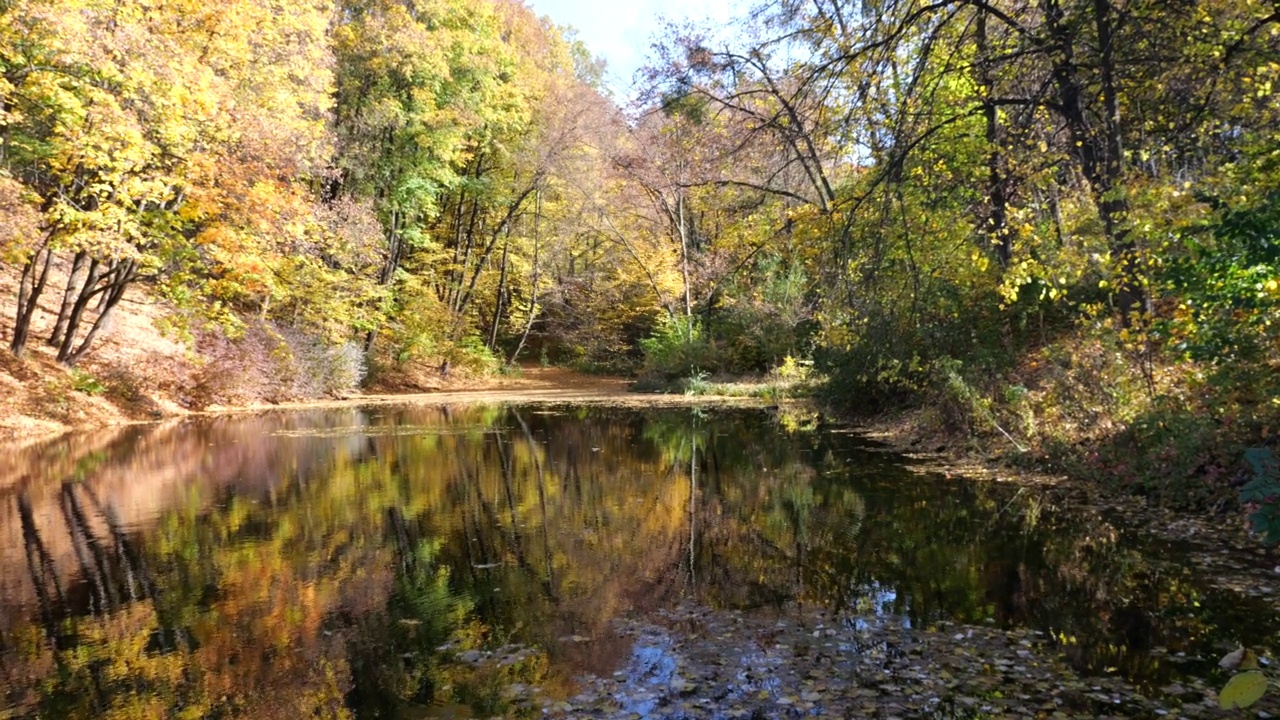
x: 422, y: 560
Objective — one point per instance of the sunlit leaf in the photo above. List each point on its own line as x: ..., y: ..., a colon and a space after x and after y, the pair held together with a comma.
x: 1243, y: 690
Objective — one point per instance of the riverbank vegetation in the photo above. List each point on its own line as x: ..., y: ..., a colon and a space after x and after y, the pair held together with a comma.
x: 1049, y: 224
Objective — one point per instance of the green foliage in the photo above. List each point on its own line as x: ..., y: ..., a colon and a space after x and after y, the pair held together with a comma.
x: 82, y: 381
x: 678, y: 348
x: 697, y: 384
x: 1262, y: 493
x: 472, y: 354
x: 1226, y: 281
x: 762, y: 317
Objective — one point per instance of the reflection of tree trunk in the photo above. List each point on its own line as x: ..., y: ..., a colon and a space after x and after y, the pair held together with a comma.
x: 43, y: 573
x: 505, y: 464
x: 799, y: 586
x: 88, y: 552
x: 140, y: 583
x: 399, y: 531
x: 470, y: 539
x: 542, y: 498
x: 573, y: 476
x: 129, y: 559
x: 471, y: 515
x: 693, y: 509
x: 517, y: 539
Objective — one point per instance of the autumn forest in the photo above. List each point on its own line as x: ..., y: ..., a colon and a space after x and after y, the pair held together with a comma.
x: 1051, y: 224
x: 1001, y: 279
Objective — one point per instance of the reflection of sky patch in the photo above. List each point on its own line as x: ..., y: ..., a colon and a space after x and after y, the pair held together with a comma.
x: 873, y: 605
x: 651, y: 670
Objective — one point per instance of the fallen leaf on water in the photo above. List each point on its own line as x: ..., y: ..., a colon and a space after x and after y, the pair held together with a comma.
x: 1243, y: 690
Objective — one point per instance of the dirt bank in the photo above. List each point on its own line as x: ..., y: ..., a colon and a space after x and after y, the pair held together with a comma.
x: 40, y: 401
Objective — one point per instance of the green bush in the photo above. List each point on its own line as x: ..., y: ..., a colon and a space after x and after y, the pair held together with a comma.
x: 471, y: 354
x: 82, y: 381
x: 1226, y: 281
x: 678, y: 348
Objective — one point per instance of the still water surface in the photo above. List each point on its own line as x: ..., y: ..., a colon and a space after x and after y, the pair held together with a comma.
x: 295, y: 563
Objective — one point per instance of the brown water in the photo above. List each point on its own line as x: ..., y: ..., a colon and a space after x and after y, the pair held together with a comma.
x: 361, y: 560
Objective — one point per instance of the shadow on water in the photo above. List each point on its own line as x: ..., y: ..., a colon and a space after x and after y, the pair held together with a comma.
x: 424, y: 561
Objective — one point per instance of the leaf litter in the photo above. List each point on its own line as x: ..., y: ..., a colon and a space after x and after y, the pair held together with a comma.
x: 692, y: 662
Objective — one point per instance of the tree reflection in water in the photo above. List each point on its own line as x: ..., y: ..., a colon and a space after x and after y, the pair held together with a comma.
x: 368, y: 562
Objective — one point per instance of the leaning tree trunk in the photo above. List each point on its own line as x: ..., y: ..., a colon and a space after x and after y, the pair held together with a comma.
x: 35, y: 274
x: 533, y: 293
x: 389, y: 267
x: 68, y: 298
x: 502, y: 289
x: 114, y: 282
x: 503, y: 226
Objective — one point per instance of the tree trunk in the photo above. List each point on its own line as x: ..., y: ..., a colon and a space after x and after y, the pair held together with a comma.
x: 35, y: 274
x: 1099, y: 153
x: 119, y: 277
x: 388, y: 270
x: 92, y: 275
x: 459, y: 272
x: 684, y: 265
x: 1131, y: 296
x: 533, y: 294
x: 504, y: 226
x: 68, y: 298
x: 502, y: 288
x: 997, y: 221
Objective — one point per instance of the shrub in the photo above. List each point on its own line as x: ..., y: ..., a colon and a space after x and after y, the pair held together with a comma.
x: 82, y: 381
x: 273, y: 363
x: 677, y: 348
x: 473, y: 356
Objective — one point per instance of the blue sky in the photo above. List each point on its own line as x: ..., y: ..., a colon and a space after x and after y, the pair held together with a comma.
x: 620, y: 30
